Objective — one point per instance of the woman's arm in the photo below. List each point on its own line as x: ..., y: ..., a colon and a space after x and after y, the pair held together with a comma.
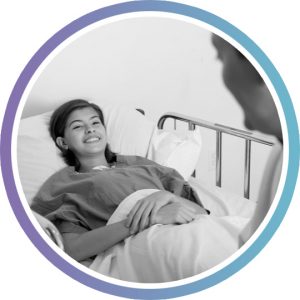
x: 144, y: 213
x: 85, y: 245
x: 174, y: 213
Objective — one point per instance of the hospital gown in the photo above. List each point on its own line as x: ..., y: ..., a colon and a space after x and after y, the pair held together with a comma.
x: 79, y: 202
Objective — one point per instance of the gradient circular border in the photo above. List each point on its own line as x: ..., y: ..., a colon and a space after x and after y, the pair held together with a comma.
x: 155, y: 6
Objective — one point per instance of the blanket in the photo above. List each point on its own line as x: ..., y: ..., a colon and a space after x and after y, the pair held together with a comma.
x: 165, y: 253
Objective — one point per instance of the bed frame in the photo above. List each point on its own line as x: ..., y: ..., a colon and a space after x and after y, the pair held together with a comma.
x: 220, y: 129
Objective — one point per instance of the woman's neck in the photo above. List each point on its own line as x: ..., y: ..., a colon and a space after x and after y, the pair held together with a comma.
x: 88, y: 163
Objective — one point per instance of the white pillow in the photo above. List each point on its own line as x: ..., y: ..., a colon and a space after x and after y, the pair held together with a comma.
x: 129, y: 133
x: 177, y: 150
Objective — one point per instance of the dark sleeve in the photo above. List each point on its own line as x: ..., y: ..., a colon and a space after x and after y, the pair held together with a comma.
x: 69, y: 227
x: 61, y: 208
x: 175, y: 183
x: 171, y: 180
x: 65, y: 216
x: 134, y: 160
x: 47, y: 200
x: 43, y: 207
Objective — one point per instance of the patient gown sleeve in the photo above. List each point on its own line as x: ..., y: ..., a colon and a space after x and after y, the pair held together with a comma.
x: 175, y: 183
x: 62, y: 212
x: 70, y: 202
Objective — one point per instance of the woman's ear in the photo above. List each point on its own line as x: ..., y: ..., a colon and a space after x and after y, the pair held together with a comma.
x: 60, y: 141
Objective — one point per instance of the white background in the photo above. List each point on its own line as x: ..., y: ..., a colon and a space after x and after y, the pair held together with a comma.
x: 25, y: 26
x: 159, y: 63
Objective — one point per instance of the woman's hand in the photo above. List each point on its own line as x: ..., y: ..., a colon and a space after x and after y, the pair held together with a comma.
x: 143, y: 214
x: 50, y: 229
x: 175, y: 213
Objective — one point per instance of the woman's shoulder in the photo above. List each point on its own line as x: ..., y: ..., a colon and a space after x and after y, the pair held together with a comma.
x: 59, y: 175
x: 48, y: 188
x: 134, y: 160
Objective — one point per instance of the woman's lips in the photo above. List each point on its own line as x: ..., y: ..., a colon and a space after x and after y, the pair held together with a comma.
x: 92, y: 140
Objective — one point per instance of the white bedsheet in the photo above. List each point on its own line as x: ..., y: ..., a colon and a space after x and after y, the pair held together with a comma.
x: 170, y: 252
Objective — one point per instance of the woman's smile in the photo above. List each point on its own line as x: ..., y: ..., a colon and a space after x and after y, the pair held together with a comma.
x: 92, y: 139
x: 85, y: 134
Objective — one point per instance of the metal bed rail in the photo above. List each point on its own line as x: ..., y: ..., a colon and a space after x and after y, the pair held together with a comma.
x: 248, y: 136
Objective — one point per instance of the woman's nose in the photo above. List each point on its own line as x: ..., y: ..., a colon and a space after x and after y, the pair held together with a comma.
x: 89, y: 129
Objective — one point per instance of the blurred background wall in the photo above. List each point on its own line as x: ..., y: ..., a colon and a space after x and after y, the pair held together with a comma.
x: 159, y: 65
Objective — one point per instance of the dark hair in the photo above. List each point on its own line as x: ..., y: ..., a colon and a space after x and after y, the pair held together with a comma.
x: 58, y: 123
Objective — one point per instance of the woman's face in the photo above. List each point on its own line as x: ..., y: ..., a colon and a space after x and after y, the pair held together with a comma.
x: 246, y: 85
x: 84, y: 133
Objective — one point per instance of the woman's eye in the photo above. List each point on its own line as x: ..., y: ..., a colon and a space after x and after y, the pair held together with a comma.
x: 96, y: 122
x: 77, y: 127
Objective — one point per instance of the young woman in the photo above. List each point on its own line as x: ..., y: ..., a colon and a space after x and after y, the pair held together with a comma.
x: 80, y: 199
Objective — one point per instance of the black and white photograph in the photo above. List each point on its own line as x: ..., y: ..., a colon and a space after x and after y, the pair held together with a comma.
x: 150, y: 150
x: 141, y: 142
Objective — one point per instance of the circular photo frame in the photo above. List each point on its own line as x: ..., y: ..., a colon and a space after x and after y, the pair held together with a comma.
x: 177, y: 9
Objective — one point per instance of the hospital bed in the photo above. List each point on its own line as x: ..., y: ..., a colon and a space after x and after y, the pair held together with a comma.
x: 220, y: 130
x: 131, y: 133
